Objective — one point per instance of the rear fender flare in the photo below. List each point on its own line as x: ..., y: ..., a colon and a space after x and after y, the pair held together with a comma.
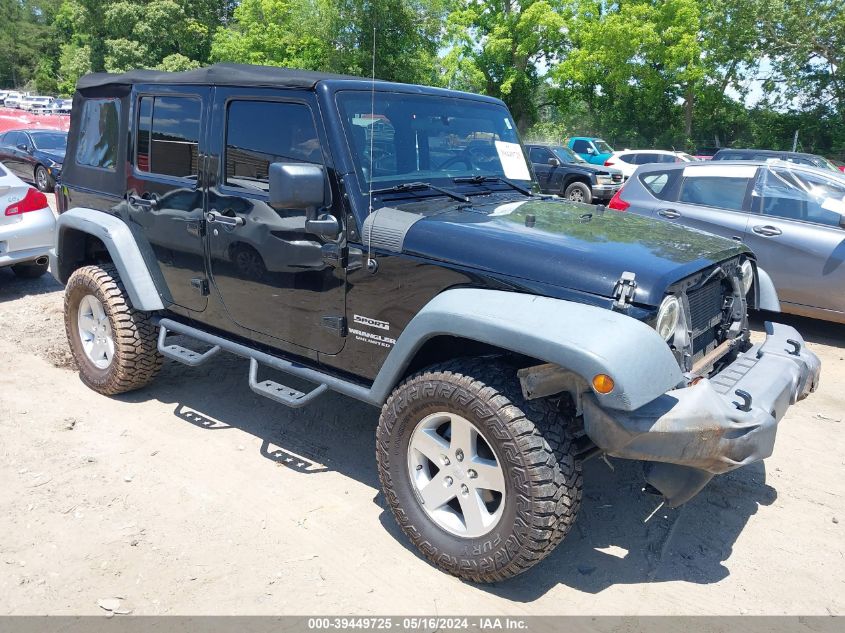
x: 584, y: 339
x: 123, y: 250
x: 768, y: 294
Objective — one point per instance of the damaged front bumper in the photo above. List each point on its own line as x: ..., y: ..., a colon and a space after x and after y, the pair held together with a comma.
x: 688, y: 435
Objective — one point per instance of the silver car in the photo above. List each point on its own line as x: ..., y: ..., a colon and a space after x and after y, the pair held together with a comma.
x: 27, y: 226
x: 792, y: 216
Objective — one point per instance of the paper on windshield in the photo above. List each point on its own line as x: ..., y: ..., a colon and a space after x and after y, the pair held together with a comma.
x: 832, y: 204
x: 513, y: 161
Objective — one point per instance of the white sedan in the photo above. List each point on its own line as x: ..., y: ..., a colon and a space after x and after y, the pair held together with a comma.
x: 628, y: 160
x: 27, y: 226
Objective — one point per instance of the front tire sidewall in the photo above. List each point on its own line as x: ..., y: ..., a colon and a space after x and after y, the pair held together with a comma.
x: 584, y: 189
x: 48, y: 183
x: 461, y: 556
x: 94, y: 377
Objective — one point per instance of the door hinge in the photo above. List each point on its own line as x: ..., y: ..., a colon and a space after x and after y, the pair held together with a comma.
x: 336, y: 324
x: 200, y: 285
x: 334, y: 254
x: 624, y: 289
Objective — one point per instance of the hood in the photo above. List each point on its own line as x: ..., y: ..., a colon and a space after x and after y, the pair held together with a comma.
x: 569, y: 245
x: 587, y: 168
x: 56, y: 155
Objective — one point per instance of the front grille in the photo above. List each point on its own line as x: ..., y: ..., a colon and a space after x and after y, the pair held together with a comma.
x: 705, y: 314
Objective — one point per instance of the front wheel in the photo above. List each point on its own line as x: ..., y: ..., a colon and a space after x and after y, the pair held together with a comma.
x: 43, y: 180
x: 483, y: 482
x: 578, y: 192
x: 114, y: 345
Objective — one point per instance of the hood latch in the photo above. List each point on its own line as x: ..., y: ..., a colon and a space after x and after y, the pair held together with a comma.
x: 624, y: 290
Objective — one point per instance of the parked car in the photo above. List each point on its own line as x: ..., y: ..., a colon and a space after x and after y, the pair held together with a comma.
x: 13, y: 99
x: 3, y: 94
x: 766, y: 154
x: 628, y: 160
x: 27, y: 227
x: 34, y: 155
x: 593, y: 150
x: 29, y: 104
x: 792, y: 216
x: 60, y: 106
x: 839, y: 165
x: 561, y: 171
x: 505, y: 336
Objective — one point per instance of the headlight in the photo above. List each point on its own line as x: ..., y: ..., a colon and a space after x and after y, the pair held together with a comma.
x: 604, y: 179
x: 667, y: 317
x: 747, y: 276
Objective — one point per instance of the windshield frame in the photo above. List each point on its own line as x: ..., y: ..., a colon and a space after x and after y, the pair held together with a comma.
x: 568, y: 156
x: 600, y: 144
x: 435, y: 177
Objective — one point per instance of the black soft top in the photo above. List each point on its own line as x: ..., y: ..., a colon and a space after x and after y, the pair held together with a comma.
x: 216, y: 75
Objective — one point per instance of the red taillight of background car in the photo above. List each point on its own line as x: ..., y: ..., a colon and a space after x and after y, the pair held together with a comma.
x: 842, y: 168
x: 34, y: 200
x: 617, y: 203
x: 609, y: 163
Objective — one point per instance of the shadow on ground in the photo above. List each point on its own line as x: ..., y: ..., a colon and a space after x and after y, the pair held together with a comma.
x: 13, y: 287
x: 813, y: 330
x: 613, y: 542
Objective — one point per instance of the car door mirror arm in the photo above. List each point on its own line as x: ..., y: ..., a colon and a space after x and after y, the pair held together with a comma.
x: 324, y: 224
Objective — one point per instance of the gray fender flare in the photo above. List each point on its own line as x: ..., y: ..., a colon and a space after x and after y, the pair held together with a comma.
x: 122, y: 247
x: 584, y: 339
x: 768, y: 294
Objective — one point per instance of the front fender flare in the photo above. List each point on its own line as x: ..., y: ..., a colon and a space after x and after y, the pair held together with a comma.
x: 768, y: 293
x: 122, y: 247
x: 585, y: 339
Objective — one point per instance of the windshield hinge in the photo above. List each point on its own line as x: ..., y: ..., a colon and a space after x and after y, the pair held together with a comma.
x: 336, y: 324
x: 624, y: 289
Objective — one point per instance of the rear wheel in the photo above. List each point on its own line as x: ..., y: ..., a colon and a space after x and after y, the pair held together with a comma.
x: 483, y: 482
x: 113, y: 344
x: 43, y: 180
x: 578, y: 192
x: 30, y: 270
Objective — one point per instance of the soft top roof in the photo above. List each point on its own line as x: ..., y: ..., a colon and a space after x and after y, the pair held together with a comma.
x: 216, y: 75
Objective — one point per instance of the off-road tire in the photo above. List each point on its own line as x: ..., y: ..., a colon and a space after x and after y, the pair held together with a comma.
x: 542, y: 473
x: 30, y: 270
x: 578, y: 192
x: 136, y: 358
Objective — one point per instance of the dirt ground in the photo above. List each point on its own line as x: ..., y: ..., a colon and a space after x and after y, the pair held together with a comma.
x: 195, y: 496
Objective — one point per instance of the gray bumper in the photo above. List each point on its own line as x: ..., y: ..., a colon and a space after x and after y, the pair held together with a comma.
x: 605, y: 192
x: 688, y: 435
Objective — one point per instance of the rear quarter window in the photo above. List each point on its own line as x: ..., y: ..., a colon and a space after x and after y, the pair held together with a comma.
x: 98, y: 134
x: 663, y: 185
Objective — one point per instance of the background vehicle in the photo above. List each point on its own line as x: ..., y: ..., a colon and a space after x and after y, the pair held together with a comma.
x: 792, y: 216
x: 34, y: 155
x: 27, y: 227
x: 390, y: 247
x: 800, y: 158
x: 593, y: 150
x: 29, y: 104
x: 13, y: 100
x: 628, y: 160
x: 561, y: 171
x: 60, y: 106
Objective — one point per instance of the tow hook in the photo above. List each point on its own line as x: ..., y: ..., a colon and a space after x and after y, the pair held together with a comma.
x: 746, y: 400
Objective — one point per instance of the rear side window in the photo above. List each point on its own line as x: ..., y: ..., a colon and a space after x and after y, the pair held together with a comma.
x: 715, y: 191
x: 663, y: 185
x: 580, y: 146
x: 98, y: 134
x: 262, y: 132
x: 168, y: 136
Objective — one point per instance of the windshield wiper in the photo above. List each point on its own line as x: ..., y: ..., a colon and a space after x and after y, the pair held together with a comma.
x: 415, y: 186
x: 477, y: 180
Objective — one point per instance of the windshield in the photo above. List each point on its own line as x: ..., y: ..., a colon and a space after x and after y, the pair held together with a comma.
x: 603, y: 147
x: 566, y: 155
x: 798, y: 194
x: 427, y: 138
x: 49, y: 140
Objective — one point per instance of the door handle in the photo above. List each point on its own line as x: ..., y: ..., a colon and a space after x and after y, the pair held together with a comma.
x: 766, y: 229
x: 147, y: 203
x: 226, y: 220
x: 669, y: 214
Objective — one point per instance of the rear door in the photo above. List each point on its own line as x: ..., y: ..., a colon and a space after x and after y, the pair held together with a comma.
x: 713, y: 198
x: 273, y: 277
x: 13, y: 156
x: 797, y: 236
x: 165, y: 195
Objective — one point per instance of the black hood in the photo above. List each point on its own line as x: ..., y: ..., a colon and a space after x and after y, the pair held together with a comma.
x: 569, y: 245
x: 55, y: 155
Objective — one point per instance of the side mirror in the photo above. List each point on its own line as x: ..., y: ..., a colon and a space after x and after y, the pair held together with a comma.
x: 554, y: 162
x: 590, y: 150
x: 22, y: 147
x: 302, y: 186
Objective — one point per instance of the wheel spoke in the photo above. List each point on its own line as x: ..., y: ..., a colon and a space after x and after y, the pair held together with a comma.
x: 436, y: 492
x: 87, y: 323
x: 473, y: 510
x: 490, y: 476
x: 430, y: 444
x: 98, y: 350
x: 463, y: 437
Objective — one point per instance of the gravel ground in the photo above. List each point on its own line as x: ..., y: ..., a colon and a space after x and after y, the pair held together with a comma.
x: 195, y: 496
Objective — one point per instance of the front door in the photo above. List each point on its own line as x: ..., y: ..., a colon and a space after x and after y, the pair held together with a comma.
x: 165, y: 197
x: 796, y: 234
x: 539, y: 157
x: 273, y: 277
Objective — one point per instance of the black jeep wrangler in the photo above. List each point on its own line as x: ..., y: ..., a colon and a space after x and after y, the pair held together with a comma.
x: 386, y: 242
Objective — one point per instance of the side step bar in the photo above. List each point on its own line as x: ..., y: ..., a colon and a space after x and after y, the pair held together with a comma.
x: 273, y: 390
